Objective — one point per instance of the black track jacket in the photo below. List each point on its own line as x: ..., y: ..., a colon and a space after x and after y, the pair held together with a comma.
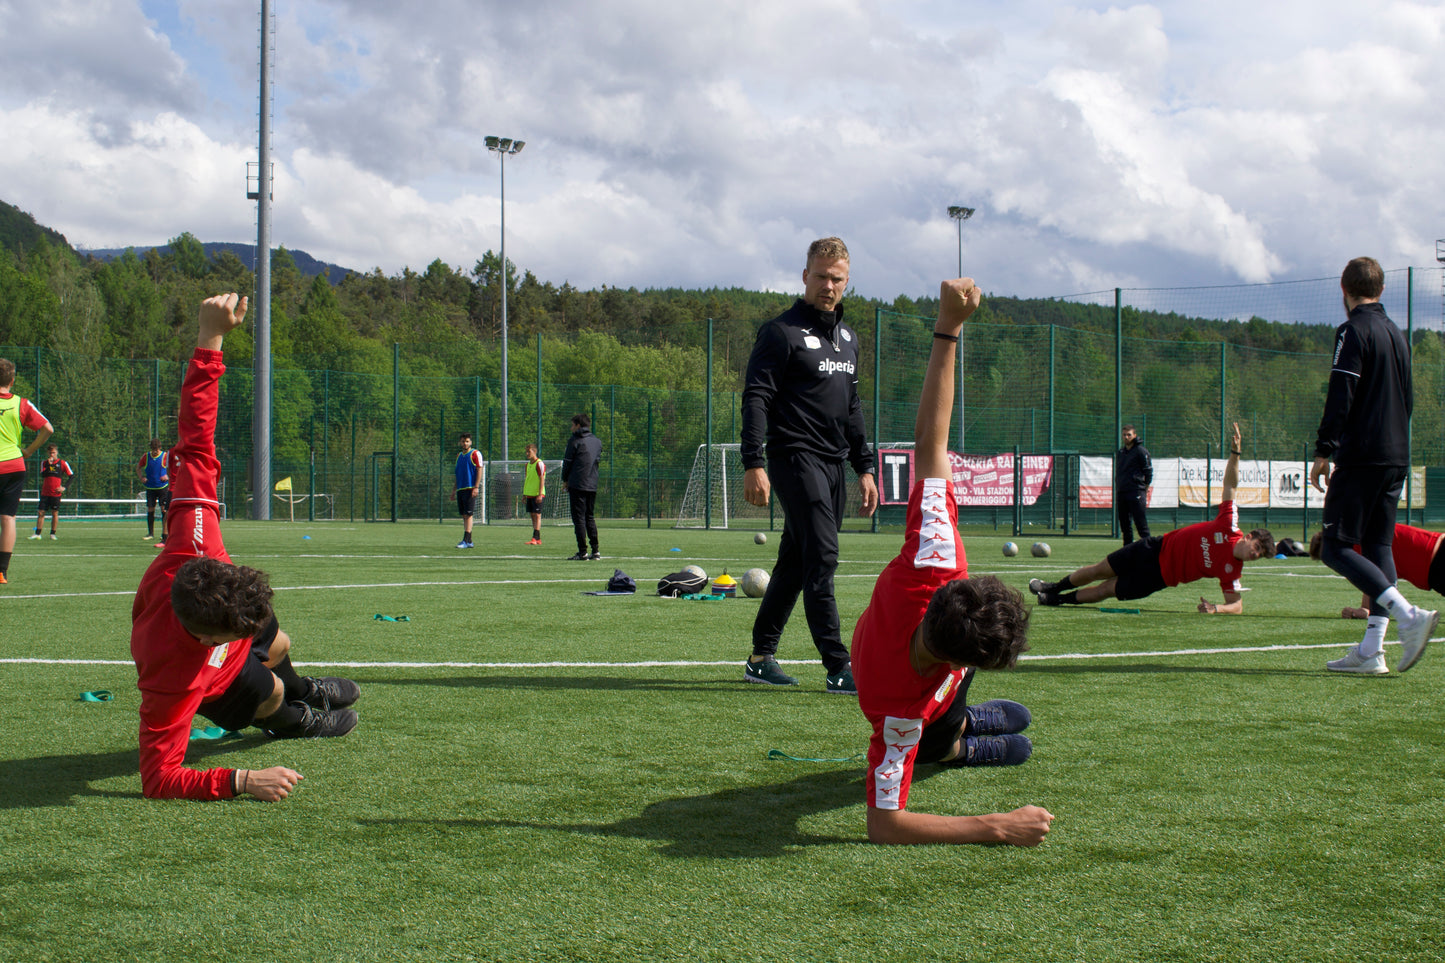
x: 1367, y: 409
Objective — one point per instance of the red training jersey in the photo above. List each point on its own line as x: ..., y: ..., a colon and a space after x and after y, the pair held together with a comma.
x: 14, y: 412
x: 54, y: 476
x: 1414, y: 550
x: 897, y: 701
x: 1204, y: 550
x: 176, y: 672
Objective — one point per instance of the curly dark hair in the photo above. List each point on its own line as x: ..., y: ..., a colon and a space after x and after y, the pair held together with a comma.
x: 213, y: 598
x: 1266, y: 542
x: 978, y: 622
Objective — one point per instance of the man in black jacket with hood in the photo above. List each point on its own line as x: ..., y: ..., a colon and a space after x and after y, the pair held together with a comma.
x: 802, y: 418
x: 579, y: 479
x: 1133, y: 474
x: 1366, y: 430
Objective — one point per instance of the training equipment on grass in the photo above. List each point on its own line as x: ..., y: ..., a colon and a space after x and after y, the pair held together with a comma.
x: 725, y: 585
x: 679, y: 584
x: 761, y: 538
x: 755, y: 582
x: 1041, y: 550
x: 1010, y: 549
x: 97, y: 695
x: 1120, y: 611
x: 696, y: 570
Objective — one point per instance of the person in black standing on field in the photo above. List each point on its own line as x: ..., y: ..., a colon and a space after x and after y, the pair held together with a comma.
x: 802, y: 419
x: 579, y: 480
x: 1366, y: 430
x: 1133, y: 474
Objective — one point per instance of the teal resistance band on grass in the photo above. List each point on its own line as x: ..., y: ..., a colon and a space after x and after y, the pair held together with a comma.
x: 780, y: 754
x: 97, y: 695
x: 214, y: 732
x: 1120, y: 611
x: 390, y: 618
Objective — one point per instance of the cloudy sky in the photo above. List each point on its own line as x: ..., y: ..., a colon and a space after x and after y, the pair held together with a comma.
x: 702, y: 144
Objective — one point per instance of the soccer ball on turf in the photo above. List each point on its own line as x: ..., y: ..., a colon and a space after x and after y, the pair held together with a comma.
x: 1010, y: 549
x: 1041, y: 550
x: 761, y: 538
x: 695, y: 570
x: 755, y: 582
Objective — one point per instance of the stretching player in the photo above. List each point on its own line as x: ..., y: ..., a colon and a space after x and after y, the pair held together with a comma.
x: 928, y: 628
x: 1419, y: 561
x: 204, y: 637
x: 1214, y: 549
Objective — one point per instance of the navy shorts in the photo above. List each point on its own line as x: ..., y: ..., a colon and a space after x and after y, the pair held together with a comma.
x: 464, y: 502
x: 534, y: 504
x: 10, y: 485
x: 235, y: 709
x: 1136, y: 566
x: 50, y: 503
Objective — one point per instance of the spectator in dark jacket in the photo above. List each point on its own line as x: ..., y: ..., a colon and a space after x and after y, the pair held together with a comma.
x: 1133, y: 474
x: 579, y: 479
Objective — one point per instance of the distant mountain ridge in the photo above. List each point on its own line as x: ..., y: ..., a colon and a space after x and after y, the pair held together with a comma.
x: 246, y: 253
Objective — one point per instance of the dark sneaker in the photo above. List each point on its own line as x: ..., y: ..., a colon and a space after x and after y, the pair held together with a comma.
x: 1005, y: 750
x: 595, y: 556
x: 997, y: 717
x: 579, y: 557
x: 842, y: 683
x: 768, y: 672
x: 329, y: 693
x: 318, y: 724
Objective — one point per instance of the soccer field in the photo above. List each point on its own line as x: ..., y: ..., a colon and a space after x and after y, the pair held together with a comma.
x: 544, y: 775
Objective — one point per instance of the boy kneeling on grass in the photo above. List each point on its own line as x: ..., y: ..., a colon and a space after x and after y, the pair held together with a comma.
x: 928, y: 628
x: 204, y: 637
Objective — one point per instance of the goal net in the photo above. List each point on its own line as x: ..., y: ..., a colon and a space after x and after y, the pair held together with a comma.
x: 502, y: 501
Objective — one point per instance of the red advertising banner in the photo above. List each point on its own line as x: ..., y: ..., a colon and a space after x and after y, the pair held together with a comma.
x: 985, y: 481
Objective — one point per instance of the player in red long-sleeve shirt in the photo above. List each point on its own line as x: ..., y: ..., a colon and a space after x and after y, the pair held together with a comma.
x: 204, y: 637
x: 1216, y: 549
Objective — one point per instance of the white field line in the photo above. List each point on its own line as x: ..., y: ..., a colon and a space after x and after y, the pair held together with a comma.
x: 654, y: 664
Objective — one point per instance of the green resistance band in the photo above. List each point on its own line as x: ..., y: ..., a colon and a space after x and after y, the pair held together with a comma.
x: 780, y: 754
x: 390, y: 618
x: 97, y: 695
x: 213, y: 732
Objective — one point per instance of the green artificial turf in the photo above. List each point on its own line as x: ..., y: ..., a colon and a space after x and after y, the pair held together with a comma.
x: 527, y: 789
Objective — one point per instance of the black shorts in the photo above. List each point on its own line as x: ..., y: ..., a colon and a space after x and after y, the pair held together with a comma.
x: 940, y: 734
x: 161, y: 496
x: 1437, y: 572
x: 464, y: 502
x: 235, y: 709
x: 10, y: 485
x: 50, y: 503
x: 1361, y: 501
x: 1136, y: 566
x: 534, y: 504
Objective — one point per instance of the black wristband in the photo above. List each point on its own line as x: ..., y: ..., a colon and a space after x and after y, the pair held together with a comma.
x: 235, y: 790
x: 1234, y: 452
x: 946, y: 337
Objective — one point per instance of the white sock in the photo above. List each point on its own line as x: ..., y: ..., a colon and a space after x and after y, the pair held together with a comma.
x: 1395, y: 603
x: 1374, y: 641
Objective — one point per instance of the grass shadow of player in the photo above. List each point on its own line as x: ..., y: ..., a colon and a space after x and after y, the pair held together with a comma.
x: 747, y: 822
x: 58, y: 780
x: 556, y: 683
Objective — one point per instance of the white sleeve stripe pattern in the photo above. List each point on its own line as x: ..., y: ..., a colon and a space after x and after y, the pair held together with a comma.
x: 900, y: 737
x: 937, y: 538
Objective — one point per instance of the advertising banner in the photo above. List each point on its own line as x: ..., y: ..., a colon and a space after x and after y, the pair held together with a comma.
x: 895, y: 475
x: 1202, y: 480
x: 1289, y: 485
x: 985, y: 481
x: 1096, y: 483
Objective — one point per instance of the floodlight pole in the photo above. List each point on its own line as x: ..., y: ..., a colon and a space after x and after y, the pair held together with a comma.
x: 261, y: 402
x: 960, y: 214
x: 504, y: 146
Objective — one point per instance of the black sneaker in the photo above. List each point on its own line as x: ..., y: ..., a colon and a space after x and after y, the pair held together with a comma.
x: 329, y: 693
x: 842, y: 683
x: 318, y: 724
x: 1005, y: 750
x: 997, y: 717
x: 594, y: 556
x: 767, y: 672
x: 579, y: 557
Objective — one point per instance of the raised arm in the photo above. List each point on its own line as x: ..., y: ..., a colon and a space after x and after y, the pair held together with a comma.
x: 957, y: 299
x: 1231, y: 469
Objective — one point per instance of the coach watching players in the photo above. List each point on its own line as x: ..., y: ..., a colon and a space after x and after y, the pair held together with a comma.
x: 1133, y: 473
x: 1366, y: 430
x: 203, y: 635
x: 802, y: 384
x: 579, y: 480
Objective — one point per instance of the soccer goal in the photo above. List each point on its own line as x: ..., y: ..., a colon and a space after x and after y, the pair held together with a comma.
x: 502, y: 501
x: 714, y: 495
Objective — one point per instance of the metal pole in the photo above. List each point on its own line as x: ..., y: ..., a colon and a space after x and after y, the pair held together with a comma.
x: 261, y: 400
x: 1410, y: 426
x: 503, y: 155
x: 1118, y: 397
x: 707, y: 441
x: 395, y: 418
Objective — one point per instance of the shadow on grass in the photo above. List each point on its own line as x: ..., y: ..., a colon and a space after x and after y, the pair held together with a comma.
x: 541, y: 682
x: 58, y: 780
x: 743, y: 823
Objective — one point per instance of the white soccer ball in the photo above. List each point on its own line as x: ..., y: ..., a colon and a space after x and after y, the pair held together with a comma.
x: 1041, y: 550
x: 761, y: 538
x: 755, y: 582
x: 695, y: 570
x: 1010, y: 549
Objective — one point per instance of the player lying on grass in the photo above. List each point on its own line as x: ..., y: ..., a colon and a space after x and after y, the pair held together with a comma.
x: 1419, y: 561
x: 1216, y: 549
x: 928, y: 628
x: 203, y: 637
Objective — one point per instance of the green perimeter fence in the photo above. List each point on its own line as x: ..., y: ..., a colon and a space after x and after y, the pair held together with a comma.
x: 380, y: 444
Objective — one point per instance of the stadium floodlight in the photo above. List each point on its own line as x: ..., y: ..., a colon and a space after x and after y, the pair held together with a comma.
x: 504, y: 146
x: 1440, y: 250
x: 960, y: 214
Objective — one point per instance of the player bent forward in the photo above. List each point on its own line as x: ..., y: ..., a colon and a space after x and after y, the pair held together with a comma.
x: 927, y: 629
x: 204, y: 637
x: 1216, y: 549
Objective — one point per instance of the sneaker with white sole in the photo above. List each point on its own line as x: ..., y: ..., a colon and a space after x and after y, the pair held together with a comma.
x: 1414, y: 636
x: 997, y: 717
x: 842, y: 683
x: 767, y: 672
x: 35, y: 537
x: 1011, y: 749
x: 1353, y: 661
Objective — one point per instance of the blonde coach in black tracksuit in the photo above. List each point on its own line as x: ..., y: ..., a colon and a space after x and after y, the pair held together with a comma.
x: 801, y: 408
